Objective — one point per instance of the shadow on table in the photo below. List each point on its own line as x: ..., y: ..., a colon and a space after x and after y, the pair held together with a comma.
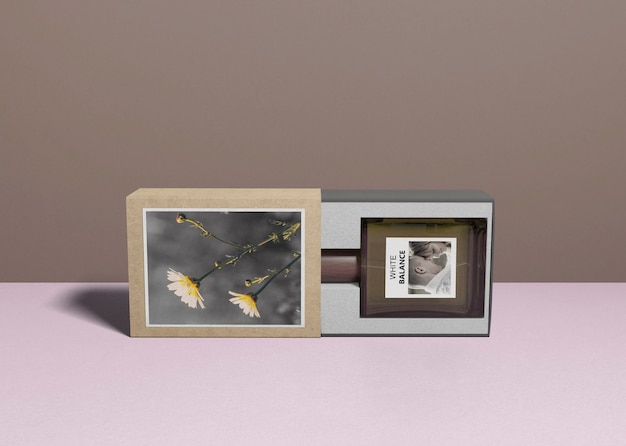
x: 108, y: 308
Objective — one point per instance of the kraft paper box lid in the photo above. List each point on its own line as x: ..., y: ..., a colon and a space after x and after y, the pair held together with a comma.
x: 294, y: 202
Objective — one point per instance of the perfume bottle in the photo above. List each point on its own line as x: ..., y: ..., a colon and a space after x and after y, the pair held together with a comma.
x: 415, y: 267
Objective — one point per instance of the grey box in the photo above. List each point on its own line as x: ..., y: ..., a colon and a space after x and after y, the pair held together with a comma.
x: 342, y: 215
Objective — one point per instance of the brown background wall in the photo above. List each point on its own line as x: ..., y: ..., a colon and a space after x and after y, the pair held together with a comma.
x: 523, y: 99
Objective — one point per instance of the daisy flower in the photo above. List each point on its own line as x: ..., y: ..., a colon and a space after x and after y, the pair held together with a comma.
x: 186, y: 288
x: 247, y: 302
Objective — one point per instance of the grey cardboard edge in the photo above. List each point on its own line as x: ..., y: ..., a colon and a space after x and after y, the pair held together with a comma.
x: 394, y: 196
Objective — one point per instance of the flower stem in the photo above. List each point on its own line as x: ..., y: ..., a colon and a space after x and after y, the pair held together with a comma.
x: 273, y: 237
x: 243, y: 249
x: 297, y: 257
x: 200, y: 279
x: 181, y: 218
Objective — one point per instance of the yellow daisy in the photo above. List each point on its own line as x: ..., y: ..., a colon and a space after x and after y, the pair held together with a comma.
x: 247, y: 302
x: 186, y: 288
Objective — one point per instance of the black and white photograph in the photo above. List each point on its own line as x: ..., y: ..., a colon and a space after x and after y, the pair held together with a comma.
x: 224, y: 267
x: 420, y: 267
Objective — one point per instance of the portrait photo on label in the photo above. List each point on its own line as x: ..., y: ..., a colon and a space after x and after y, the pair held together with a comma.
x: 420, y: 267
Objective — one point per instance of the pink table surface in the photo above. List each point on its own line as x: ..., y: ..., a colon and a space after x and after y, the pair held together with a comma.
x: 553, y: 372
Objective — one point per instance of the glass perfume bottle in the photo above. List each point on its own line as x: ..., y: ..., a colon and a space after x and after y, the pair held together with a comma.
x: 415, y: 267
